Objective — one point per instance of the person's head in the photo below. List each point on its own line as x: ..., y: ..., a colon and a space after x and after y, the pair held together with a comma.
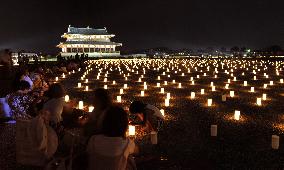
x: 115, y: 122
x: 23, y: 86
x: 102, y: 99
x: 137, y: 107
x: 56, y: 90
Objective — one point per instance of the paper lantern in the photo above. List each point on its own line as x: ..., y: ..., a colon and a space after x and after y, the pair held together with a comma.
x: 113, y: 82
x: 215, y: 76
x: 91, y: 108
x: 174, y: 81
x: 179, y: 85
x: 87, y: 88
x: 213, y: 130
x: 56, y: 78
x: 264, y: 96
x: 131, y: 130
x: 252, y: 89
x: 235, y: 79
x: 66, y: 98
x: 81, y: 105
x: 167, y: 102
x: 213, y: 88
x: 245, y: 83
x: 227, y: 86
x: 275, y: 141
x: 281, y: 80
x: 258, y: 101
x: 232, y: 93
x: 125, y: 86
x: 162, y: 90
x: 121, y: 91
x: 86, y: 81
x: 192, y: 95
x: 168, y: 95
x: 79, y: 85
x: 154, y: 137
x: 142, y: 93
x: 202, y: 91
x: 271, y: 83
x: 265, y: 86
x: 192, y: 82
x: 159, y: 78
x: 254, y: 77
x: 163, y: 112
x: 118, y: 98
x: 165, y: 83
x: 237, y: 115
x: 229, y: 80
x: 158, y: 84
x: 105, y: 86
x: 98, y: 77
x: 145, y: 83
x: 145, y: 87
x: 209, y: 102
x: 212, y: 83
x: 224, y: 97
x: 63, y: 75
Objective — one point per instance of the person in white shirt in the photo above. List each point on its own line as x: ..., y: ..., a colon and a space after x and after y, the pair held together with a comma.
x: 55, y: 102
x: 111, y: 149
x: 148, y: 114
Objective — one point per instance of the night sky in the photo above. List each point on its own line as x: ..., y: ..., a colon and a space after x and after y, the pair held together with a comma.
x: 38, y: 24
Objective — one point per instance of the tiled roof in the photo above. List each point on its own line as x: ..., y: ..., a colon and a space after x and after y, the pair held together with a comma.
x: 87, y: 31
x: 91, y: 42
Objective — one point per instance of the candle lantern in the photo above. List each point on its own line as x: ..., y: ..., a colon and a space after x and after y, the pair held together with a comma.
x: 275, y: 141
x: 91, y: 108
x: 168, y: 95
x: 142, y: 93
x: 202, y: 91
x: 159, y: 77
x: 192, y: 95
x: 66, y: 98
x: 56, y: 78
x: 252, y: 89
x: 227, y: 86
x: 281, y: 80
x: 118, y: 98
x: 86, y: 81
x: 179, y: 85
x: 167, y: 102
x: 125, y: 86
x: 162, y: 90
x: 87, y: 88
x: 265, y: 86
x: 264, y: 96
x: 224, y: 98
x: 81, y: 105
x: 237, y: 115
x: 213, y: 130
x: 131, y: 130
x: 209, y: 102
x: 158, y: 84
x: 113, y: 82
x: 258, y: 101
x: 271, y: 83
x: 174, y: 81
x: 232, y: 93
x: 145, y: 87
x: 163, y: 112
x: 79, y: 85
x: 254, y: 77
x: 213, y: 88
x: 245, y: 83
x: 121, y: 91
x: 165, y: 83
x: 105, y: 86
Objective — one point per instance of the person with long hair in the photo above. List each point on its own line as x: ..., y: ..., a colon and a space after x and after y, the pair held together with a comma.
x: 102, y: 102
x: 111, y: 149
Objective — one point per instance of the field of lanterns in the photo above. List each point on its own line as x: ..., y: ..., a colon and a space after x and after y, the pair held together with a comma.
x: 224, y: 113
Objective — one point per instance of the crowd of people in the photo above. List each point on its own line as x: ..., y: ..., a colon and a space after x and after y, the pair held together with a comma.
x: 43, y: 119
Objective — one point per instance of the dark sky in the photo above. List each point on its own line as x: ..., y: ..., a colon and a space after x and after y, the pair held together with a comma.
x: 38, y: 24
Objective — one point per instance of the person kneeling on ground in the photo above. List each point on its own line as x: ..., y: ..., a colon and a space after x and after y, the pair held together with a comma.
x: 111, y: 149
x: 148, y: 114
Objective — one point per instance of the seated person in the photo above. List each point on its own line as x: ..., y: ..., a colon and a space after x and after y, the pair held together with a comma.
x: 111, y: 149
x: 148, y: 114
x: 20, y: 101
x: 102, y: 102
x: 55, y: 102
